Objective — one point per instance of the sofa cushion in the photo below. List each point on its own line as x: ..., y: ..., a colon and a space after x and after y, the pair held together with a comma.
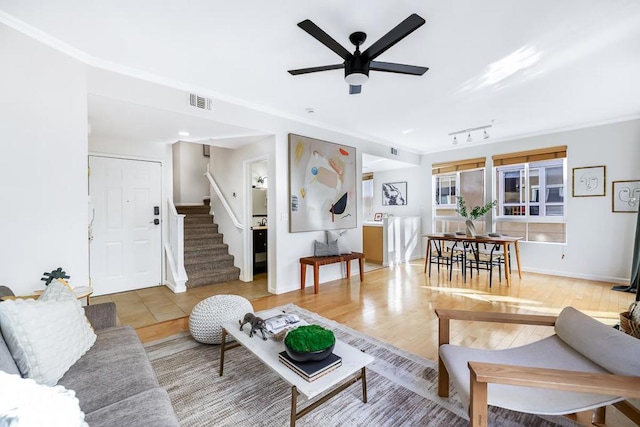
x: 148, y: 408
x: 615, y: 351
x: 45, y: 337
x: 114, y: 369
x: 7, y: 364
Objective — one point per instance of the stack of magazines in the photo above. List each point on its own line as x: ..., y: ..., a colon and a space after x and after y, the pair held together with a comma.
x: 281, y: 322
x: 311, y: 371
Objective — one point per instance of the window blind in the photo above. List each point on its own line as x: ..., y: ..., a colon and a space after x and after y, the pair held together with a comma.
x: 458, y: 165
x: 530, y: 156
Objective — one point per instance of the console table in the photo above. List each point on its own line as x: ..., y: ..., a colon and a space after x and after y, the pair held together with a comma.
x: 317, y: 261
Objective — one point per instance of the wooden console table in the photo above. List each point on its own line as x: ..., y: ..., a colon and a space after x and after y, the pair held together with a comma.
x: 317, y: 261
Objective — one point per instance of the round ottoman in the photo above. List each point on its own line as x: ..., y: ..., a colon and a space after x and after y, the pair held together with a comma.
x: 207, y: 317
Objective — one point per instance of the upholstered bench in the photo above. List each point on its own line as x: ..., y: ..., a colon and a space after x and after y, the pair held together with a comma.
x: 317, y: 261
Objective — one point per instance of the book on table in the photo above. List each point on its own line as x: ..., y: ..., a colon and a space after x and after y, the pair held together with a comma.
x: 312, y: 370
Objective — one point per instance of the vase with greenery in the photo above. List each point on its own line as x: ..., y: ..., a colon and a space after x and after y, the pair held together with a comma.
x: 473, y: 214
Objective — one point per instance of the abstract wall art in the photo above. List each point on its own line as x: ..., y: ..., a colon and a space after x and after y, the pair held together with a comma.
x: 394, y: 193
x: 626, y: 196
x: 322, y: 185
x: 589, y: 181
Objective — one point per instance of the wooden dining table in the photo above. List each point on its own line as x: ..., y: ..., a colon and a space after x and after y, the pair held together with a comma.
x: 503, y: 241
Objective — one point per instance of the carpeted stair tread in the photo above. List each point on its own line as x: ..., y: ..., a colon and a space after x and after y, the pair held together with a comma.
x: 201, y: 240
x: 199, y: 209
x: 195, y: 232
x: 199, y: 225
x: 221, y: 258
x: 224, y: 274
x: 212, y: 249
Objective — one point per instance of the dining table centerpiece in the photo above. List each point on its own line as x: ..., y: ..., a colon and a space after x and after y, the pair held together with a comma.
x: 473, y: 214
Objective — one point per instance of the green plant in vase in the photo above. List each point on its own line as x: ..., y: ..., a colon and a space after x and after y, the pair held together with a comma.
x: 473, y: 214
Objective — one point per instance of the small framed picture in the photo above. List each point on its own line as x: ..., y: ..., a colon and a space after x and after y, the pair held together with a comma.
x: 394, y: 194
x: 206, y: 150
x: 625, y: 196
x: 589, y: 181
x: 377, y: 216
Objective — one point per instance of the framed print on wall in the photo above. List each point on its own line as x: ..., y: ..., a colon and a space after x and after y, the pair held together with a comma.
x: 378, y: 216
x: 625, y: 196
x: 394, y: 194
x: 589, y: 181
x: 322, y: 185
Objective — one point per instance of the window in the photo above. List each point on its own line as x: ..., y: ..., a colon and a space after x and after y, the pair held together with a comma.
x: 530, y: 188
x: 464, y: 178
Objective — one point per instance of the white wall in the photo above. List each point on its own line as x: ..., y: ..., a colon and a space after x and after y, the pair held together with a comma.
x: 43, y: 163
x: 599, y: 242
x: 189, y: 183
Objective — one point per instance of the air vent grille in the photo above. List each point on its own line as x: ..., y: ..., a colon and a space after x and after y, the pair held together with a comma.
x: 394, y: 151
x: 200, y: 102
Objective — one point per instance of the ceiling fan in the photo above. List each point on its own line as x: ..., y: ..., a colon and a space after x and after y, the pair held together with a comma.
x: 358, y: 64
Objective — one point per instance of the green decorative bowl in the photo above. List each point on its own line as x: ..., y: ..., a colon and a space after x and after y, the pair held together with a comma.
x: 309, y: 343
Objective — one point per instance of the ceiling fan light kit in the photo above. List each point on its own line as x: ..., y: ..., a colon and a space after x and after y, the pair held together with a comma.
x: 358, y: 64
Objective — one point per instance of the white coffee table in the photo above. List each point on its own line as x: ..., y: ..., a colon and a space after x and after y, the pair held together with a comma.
x: 353, y: 366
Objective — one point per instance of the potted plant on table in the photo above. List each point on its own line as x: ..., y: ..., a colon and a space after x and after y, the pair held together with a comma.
x: 473, y: 214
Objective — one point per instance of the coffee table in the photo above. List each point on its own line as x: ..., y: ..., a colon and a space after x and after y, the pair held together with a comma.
x: 329, y: 385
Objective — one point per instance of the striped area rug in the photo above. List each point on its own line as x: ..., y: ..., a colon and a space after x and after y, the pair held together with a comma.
x: 402, y: 388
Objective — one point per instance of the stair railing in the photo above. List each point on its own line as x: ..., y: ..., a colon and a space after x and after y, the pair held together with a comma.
x: 175, y: 248
x: 226, y: 206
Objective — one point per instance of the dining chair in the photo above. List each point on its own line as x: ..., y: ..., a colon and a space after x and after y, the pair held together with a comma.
x: 446, y: 254
x: 485, y: 257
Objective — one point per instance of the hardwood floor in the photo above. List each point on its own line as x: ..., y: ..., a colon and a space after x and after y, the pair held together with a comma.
x: 396, y: 305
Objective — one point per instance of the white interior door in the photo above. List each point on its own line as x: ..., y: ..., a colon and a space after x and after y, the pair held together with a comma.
x: 126, y: 245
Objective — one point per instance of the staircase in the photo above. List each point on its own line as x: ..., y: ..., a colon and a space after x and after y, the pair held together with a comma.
x: 206, y: 257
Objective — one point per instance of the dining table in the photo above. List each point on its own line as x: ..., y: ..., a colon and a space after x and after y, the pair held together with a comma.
x: 504, y: 241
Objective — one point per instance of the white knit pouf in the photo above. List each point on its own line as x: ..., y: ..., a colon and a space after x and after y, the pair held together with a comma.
x: 207, y: 317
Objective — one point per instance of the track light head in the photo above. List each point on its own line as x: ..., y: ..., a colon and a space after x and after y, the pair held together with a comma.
x: 469, y: 139
x: 455, y: 140
x: 486, y: 135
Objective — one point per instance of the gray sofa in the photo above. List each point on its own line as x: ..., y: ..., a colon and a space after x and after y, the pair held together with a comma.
x: 114, y: 381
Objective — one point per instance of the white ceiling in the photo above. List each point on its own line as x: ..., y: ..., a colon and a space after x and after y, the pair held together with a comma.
x: 527, y: 66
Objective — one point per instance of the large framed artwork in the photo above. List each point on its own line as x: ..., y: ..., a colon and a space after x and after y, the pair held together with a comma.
x: 625, y: 195
x: 589, y: 181
x: 394, y: 193
x: 322, y: 185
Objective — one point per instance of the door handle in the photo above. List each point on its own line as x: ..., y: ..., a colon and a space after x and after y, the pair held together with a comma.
x: 155, y: 221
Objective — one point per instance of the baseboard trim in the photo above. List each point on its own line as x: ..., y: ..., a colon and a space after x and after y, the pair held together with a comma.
x: 595, y: 278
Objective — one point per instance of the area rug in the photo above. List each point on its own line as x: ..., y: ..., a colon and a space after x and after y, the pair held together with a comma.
x: 401, y: 388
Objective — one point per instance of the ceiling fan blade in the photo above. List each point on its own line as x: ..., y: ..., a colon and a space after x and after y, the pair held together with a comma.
x: 316, y: 69
x: 391, y: 67
x: 401, y: 31
x: 324, y: 38
x: 354, y: 90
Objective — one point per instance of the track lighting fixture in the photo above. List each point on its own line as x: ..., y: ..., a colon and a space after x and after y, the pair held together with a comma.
x: 468, y: 132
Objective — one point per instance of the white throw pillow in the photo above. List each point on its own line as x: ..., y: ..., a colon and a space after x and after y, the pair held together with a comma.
x: 58, y: 290
x: 45, y: 338
x: 340, y: 236
x: 24, y: 403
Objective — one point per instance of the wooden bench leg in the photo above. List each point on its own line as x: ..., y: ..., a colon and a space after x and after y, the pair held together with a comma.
x: 303, y: 275
x: 361, y: 262
x: 348, y: 269
x: 316, y: 277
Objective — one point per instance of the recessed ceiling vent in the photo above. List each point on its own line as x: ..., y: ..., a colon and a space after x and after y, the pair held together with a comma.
x: 394, y: 151
x: 200, y: 102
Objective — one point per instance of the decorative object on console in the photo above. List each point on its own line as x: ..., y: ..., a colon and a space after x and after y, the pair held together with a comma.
x: 309, y: 343
x: 340, y: 237
x: 475, y: 213
x: 588, y: 181
x: 625, y: 196
x: 394, y: 194
x: 322, y: 185
x: 326, y: 249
